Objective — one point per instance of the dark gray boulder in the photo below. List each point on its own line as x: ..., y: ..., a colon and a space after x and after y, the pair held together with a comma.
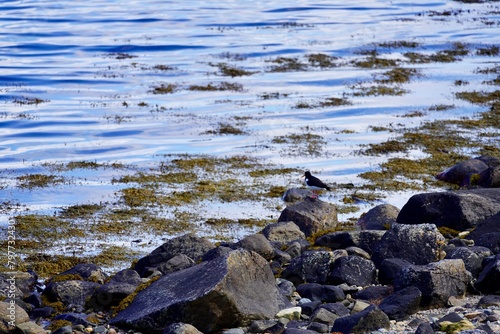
x: 490, y: 178
x: 113, y: 292
x: 227, y: 292
x: 424, y: 328
x: 311, y: 215
x: 324, y: 316
x: 458, y: 210
x: 296, y: 194
x: 438, y: 281
x: 176, y: 263
x: 373, y: 294
x: 487, y: 233
x: 381, y: 217
x: 390, y: 268
x: 366, y: 240
x: 319, y: 292
x: 311, y: 266
x: 187, y: 244
x: 257, y: 243
x: 488, y: 279
x: 180, y: 328
x: 472, y: 256
x: 366, y: 321
x: 216, y: 252
x: 283, y: 232
x: 402, y: 303
x: 417, y: 244
x: 463, y: 172
x: 71, y: 292
x: 353, y: 270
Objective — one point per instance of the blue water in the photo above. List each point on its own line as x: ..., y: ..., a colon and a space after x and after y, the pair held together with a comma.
x: 92, y: 63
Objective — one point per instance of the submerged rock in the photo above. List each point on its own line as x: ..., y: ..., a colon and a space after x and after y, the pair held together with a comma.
x: 227, y: 292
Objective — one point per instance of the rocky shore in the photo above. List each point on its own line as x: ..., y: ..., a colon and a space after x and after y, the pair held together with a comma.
x: 431, y: 267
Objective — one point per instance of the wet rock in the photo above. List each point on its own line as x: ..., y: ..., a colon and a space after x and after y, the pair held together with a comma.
x: 463, y: 172
x: 402, y: 303
x: 283, y: 232
x: 187, y: 244
x: 88, y: 271
x: 311, y: 215
x: 381, y: 217
x: 227, y: 292
x: 370, y: 319
x: 296, y: 194
x: 488, y: 279
x: 472, y: 257
x: 366, y: 240
x: 353, y: 270
x: 417, y: 244
x: 180, y: 328
x: 10, y: 316
x: 323, y: 293
x: 257, y: 243
x: 437, y: 281
x: 458, y: 210
x: 310, y: 266
x: 309, y: 307
x: 390, y: 268
x: 112, y: 293
x: 72, y: 292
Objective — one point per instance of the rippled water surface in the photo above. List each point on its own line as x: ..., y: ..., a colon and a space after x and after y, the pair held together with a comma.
x: 78, y: 79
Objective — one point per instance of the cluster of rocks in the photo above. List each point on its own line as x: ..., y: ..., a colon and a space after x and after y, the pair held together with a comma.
x: 415, y: 270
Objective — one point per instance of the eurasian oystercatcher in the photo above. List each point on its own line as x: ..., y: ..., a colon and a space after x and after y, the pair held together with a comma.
x: 314, y: 183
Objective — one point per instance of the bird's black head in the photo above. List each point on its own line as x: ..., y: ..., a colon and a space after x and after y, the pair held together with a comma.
x: 307, y: 174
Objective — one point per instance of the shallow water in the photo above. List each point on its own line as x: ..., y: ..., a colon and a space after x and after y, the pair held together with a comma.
x: 93, y: 66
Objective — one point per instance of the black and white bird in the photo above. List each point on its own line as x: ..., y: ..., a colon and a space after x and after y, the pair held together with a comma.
x: 314, y: 183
